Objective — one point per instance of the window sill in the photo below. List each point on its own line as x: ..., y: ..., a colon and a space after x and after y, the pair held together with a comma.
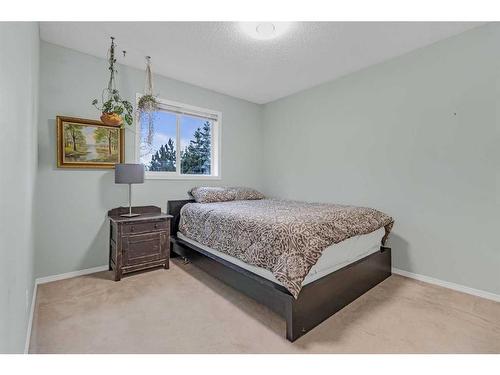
x: 161, y: 176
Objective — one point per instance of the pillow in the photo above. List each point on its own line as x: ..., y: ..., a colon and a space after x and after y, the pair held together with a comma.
x: 246, y: 193
x: 210, y: 194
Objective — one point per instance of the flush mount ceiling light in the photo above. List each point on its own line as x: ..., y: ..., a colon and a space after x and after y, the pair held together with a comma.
x: 264, y: 30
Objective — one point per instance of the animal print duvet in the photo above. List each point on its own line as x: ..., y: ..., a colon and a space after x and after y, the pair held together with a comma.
x: 284, y: 237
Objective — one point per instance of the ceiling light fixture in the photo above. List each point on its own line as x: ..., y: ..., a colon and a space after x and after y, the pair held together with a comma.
x: 264, y: 30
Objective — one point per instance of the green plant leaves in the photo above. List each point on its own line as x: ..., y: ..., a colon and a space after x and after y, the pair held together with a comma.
x: 127, y: 106
x: 128, y: 119
x: 107, y: 106
x: 147, y: 103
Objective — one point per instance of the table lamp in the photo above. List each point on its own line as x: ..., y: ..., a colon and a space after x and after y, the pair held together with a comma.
x: 129, y: 174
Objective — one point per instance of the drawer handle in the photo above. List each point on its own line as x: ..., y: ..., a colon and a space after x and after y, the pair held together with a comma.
x: 156, y: 226
x: 131, y: 228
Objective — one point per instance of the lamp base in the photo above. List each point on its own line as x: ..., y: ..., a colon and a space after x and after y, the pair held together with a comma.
x: 130, y: 215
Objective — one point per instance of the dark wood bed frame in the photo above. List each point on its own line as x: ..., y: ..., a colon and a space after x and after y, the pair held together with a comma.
x: 317, y: 300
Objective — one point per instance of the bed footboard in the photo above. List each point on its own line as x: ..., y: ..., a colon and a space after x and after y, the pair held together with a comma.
x: 322, y: 298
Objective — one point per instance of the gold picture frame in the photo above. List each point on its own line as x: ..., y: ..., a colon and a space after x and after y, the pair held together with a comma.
x: 83, y: 143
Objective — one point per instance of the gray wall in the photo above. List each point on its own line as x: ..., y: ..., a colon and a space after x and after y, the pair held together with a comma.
x: 18, y: 108
x: 417, y: 137
x: 71, y: 205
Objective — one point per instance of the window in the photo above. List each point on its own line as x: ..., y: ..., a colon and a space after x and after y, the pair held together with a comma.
x: 179, y: 142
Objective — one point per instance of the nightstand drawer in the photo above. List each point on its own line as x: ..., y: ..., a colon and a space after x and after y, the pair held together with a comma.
x: 132, y: 228
x: 142, y: 248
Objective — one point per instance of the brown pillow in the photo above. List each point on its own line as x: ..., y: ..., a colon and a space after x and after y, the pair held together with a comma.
x: 210, y: 194
x: 246, y: 193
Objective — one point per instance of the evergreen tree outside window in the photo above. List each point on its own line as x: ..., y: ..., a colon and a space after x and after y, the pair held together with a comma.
x: 163, y: 159
x: 160, y: 155
x: 196, y: 140
x: 185, y: 143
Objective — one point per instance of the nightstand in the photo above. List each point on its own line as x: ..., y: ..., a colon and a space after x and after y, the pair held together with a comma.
x: 140, y: 242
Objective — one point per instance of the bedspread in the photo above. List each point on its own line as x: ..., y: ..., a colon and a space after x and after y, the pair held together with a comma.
x: 284, y: 237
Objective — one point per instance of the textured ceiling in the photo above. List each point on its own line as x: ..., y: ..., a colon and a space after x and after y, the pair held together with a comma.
x: 218, y: 56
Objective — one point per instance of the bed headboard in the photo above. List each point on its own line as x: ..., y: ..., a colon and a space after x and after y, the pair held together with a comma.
x: 174, y: 209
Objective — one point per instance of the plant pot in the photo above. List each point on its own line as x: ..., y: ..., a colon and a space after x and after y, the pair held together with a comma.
x: 111, y: 119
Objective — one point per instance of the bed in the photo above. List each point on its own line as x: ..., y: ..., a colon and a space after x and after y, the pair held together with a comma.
x: 275, y: 252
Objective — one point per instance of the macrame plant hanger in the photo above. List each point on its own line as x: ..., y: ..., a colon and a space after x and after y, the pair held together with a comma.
x: 148, y: 87
x: 150, y: 109
x: 108, y: 92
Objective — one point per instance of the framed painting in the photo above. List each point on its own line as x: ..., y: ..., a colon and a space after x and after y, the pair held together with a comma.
x: 85, y: 143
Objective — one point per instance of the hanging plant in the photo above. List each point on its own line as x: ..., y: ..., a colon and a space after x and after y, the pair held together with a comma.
x: 114, y: 109
x: 147, y: 106
x: 147, y: 103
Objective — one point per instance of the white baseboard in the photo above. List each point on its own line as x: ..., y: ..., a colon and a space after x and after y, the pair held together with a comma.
x: 449, y: 285
x: 48, y: 279
x: 69, y: 275
x: 30, y: 320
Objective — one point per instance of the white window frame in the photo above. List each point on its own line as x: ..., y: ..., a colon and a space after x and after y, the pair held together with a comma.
x: 216, y: 143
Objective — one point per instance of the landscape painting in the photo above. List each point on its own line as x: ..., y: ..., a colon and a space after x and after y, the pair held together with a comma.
x: 85, y: 143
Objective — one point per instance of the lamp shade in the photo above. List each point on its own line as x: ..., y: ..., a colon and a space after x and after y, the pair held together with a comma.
x: 129, y: 173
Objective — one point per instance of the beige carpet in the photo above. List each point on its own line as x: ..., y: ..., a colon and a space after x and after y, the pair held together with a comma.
x: 184, y: 310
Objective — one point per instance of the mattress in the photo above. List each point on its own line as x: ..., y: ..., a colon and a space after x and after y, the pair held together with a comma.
x: 332, y: 259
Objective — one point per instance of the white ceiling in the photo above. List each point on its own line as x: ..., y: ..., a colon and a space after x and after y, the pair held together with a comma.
x: 218, y: 56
